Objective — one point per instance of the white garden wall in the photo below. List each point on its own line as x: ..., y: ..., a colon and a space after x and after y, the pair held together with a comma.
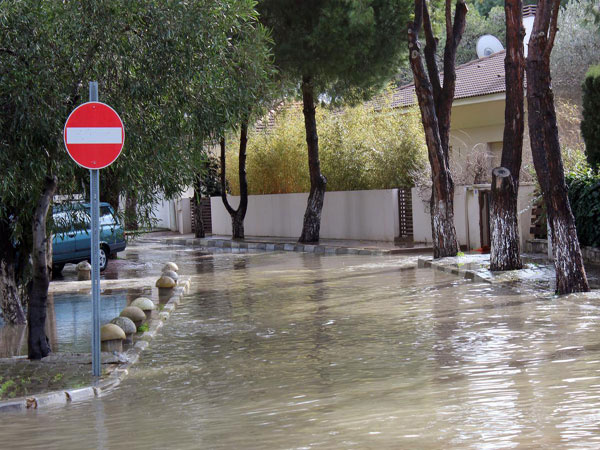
x: 362, y: 215
x: 466, y: 214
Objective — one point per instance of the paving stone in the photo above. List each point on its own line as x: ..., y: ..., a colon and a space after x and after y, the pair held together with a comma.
x: 288, y: 247
x: 77, y: 395
x: 49, y: 399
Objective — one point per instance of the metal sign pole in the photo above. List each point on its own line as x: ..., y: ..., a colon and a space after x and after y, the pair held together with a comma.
x: 95, y: 242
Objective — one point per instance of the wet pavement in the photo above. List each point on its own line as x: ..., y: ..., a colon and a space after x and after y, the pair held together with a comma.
x: 300, y: 350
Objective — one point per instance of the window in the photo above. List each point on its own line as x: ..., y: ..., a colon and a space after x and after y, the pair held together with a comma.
x: 106, y: 216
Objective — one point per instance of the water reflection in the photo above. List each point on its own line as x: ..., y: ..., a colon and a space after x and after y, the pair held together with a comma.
x: 314, y: 351
x: 13, y: 340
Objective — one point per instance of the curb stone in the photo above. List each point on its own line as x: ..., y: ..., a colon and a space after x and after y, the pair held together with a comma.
x: 66, y: 396
x: 289, y: 247
x: 468, y: 274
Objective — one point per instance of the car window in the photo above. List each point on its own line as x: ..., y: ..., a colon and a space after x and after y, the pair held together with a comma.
x: 106, y: 216
x: 81, y: 219
x: 62, y: 222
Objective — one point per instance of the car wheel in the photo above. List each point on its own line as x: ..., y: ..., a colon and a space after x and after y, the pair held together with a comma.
x: 103, y: 256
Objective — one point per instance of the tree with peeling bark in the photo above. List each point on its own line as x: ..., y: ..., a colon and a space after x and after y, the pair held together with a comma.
x: 435, y: 102
x: 505, y: 251
x: 545, y: 148
x: 337, y: 51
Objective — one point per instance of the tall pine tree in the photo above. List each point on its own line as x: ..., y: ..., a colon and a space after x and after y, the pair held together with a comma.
x: 337, y: 51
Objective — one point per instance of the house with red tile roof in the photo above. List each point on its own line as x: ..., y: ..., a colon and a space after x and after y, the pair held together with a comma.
x: 477, y: 123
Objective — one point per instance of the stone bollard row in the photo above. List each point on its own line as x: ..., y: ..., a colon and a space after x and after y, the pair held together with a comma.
x: 121, y: 330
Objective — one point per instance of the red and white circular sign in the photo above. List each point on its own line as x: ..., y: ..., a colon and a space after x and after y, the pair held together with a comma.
x: 94, y: 135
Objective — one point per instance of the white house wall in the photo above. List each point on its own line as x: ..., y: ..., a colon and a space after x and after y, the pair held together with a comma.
x: 360, y: 215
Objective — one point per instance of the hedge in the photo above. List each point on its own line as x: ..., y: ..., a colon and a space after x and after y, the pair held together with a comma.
x: 584, y: 196
x: 359, y: 148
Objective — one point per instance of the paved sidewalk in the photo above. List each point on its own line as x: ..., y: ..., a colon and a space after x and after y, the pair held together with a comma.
x: 537, y: 272
x: 330, y: 246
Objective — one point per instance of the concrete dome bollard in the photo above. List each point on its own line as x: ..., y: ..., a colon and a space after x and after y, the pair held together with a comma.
x: 111, y: 338
x: 84, y: 271
x: 127, y: 326
x: 145, y: 304
x: 135, y: 314
x: 171, y: 274
x: 165, y: 282
x: 170, y: 266
x: 165, y: 286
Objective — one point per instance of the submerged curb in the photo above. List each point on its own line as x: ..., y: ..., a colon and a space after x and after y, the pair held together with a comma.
x: 66, y: 396
x: 469, y: 274
x: 290, y: 247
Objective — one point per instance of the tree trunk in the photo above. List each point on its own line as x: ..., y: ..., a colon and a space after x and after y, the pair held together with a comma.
x: 435, y: 103
x: 10, y: 302
x: 505, y: 245
x: 197, y: 204
x: 237, y: 215
x: 545, y: 147
x: 111, y: 190
x: 312, y: 216
x: 38, y: 295
x: 505, y: 249
x: 131, y: 222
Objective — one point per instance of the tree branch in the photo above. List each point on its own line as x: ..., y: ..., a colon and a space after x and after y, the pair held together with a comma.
x: 553, y: 29
x: 416, y: 25
x: 228, y: 207
x: 430, y: 52
x: 448, y: 15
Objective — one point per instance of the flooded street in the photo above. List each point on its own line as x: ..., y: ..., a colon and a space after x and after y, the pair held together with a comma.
x: 294, y: 350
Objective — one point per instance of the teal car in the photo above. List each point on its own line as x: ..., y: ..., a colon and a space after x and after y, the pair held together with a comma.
x: 71, y: 241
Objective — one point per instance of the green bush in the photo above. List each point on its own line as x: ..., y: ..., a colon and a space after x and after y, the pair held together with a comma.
x: 584, y: 196
x: 359, y: 148
x: 590, y: 125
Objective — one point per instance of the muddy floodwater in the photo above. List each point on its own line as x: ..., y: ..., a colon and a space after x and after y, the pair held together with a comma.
x: 302, y: 351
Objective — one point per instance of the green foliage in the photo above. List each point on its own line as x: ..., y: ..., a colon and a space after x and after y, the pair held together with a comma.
x: 483, y: 7
x: 359, y: 149
x: 478, y: 24
x: 178, y: 73
x: 584, y: 197
x: 590, y: 125
x: 210, y: 183
x: 276, y: 161
x: 576, y: 49
x: 6, y: 388
x: 143, y: 328
x: 348, y: 48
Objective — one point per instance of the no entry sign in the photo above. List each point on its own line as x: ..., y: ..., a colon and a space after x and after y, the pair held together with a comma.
x: 94, y: 135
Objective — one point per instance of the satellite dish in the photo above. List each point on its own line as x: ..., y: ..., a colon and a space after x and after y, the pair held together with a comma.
x: 487, y: 45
